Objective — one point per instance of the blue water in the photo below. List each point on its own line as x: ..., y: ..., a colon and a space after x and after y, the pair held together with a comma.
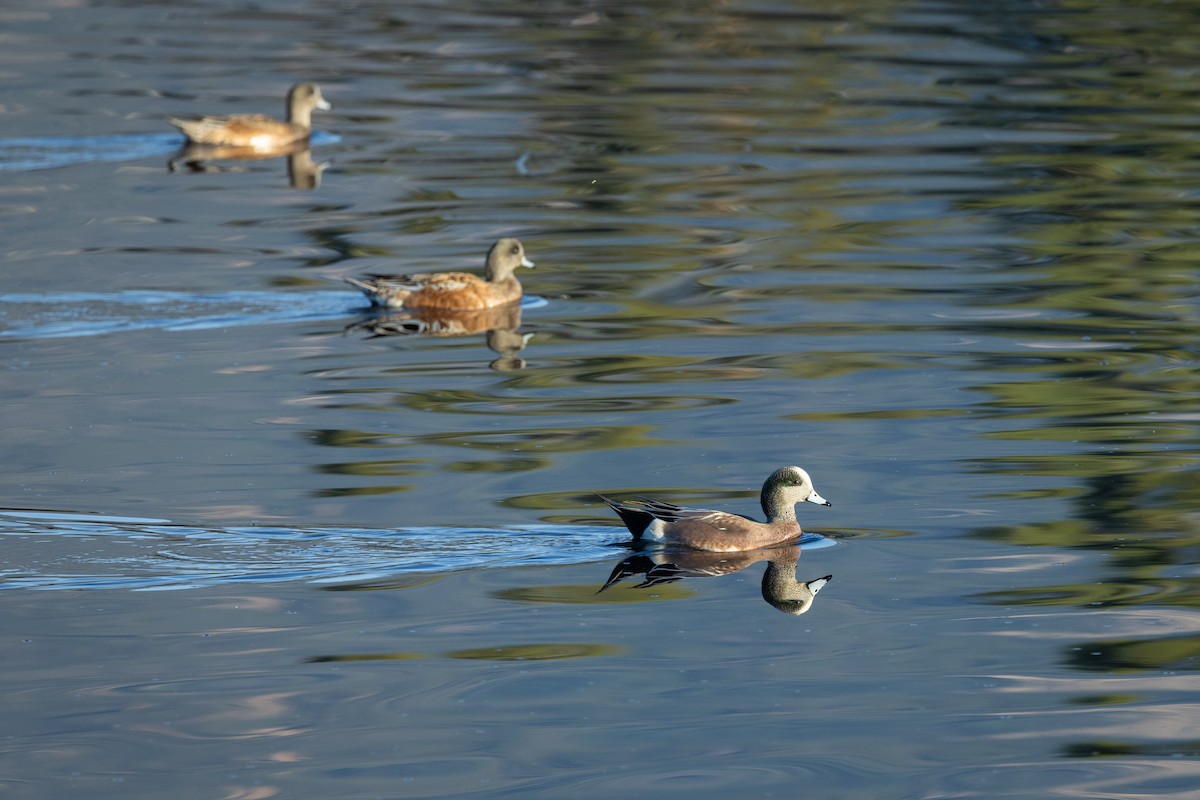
x: 22, y: 154
x: 939, y: 254
x: 89, y: 551
x: 67, y: 314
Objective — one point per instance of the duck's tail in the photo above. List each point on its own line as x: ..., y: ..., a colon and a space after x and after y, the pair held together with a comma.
x: 383, y: 294
x: 635, y: 519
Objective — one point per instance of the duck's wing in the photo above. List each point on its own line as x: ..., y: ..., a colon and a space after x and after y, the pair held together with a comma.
x: 422, y: 281
x: 447, y: 281
x: 669, y: 512
x: 238, y: 129
x: 376, y: 280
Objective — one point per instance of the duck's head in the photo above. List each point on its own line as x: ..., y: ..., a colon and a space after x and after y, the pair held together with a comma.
x: 504, y: 258
x: 786, y: 487
x: 307, y: 95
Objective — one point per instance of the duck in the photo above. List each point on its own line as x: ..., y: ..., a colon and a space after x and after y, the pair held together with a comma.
x: 722, y: 531
x: 452, y: 290
x: 257, y: 131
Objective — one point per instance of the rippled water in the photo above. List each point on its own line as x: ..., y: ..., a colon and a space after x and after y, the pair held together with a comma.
x: 50, y: 550
x: 939, y: 254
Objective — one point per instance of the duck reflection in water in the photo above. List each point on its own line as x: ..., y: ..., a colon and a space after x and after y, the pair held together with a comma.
x: 499, y: 324
x: 780, y: 586
x: 303, y: 172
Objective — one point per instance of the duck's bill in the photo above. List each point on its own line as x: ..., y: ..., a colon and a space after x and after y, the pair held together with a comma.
x: 525, y: 262
x: 325, y: 105
x: 816, y: 498
x: 818, y: 584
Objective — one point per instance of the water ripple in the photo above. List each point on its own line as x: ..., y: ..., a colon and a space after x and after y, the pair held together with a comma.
x: 85, y: 551
x: 67, y: 314
x: 24, y: 154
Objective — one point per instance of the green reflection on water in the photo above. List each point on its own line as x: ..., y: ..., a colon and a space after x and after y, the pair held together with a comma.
x: 504, y: 465
x: 550, y: 651
x: 547, y: 440
x: 1091, y: 351
x: 1113, y: 699
x: 1108, y: 749
x: 1085, y: 594
x: 381, y: 468
x: 464, y: 402
x: 1181, y: 653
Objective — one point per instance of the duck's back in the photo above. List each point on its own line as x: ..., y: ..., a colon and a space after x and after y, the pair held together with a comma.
x: 241, y: 130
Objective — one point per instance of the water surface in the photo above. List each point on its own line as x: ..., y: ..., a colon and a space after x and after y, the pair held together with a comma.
x: 939, y: 254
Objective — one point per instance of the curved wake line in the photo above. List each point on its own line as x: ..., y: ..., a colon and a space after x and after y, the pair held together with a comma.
x: 29, y: 153
x: 84, y: 551
x: 53, y: 316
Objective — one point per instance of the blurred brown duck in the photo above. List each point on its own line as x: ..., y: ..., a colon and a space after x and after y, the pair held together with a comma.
x: 453, y: 290
x: 721, y: 531
x: 257, y: 131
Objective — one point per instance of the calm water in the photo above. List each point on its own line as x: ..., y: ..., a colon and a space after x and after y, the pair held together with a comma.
x: 940, y: 254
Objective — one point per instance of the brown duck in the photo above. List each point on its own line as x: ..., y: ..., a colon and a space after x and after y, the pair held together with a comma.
x: 453, y: 290
x: 257, y: 131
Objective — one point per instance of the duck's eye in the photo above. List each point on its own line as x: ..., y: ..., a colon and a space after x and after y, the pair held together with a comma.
x: 515, y: 250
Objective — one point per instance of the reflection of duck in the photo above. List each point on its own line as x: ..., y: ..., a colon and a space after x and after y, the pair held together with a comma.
x: 501, y: 325
x: 303, y: 172
x: 257, y: 131
x: 442, y: 321
x: 720, y: 531
x: 453, y: 290
x: 507, y: 344
x: 780, y: 587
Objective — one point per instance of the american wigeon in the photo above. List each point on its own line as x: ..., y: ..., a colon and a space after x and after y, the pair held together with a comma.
x: 453, y: 290
x: 257, y: 131
x: 720, y: 531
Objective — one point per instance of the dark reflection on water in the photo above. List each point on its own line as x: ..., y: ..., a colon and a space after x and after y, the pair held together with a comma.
x: 500, y: 327
x: 780, y: 586
x: 521, y: 652
x: 1166, y: 653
